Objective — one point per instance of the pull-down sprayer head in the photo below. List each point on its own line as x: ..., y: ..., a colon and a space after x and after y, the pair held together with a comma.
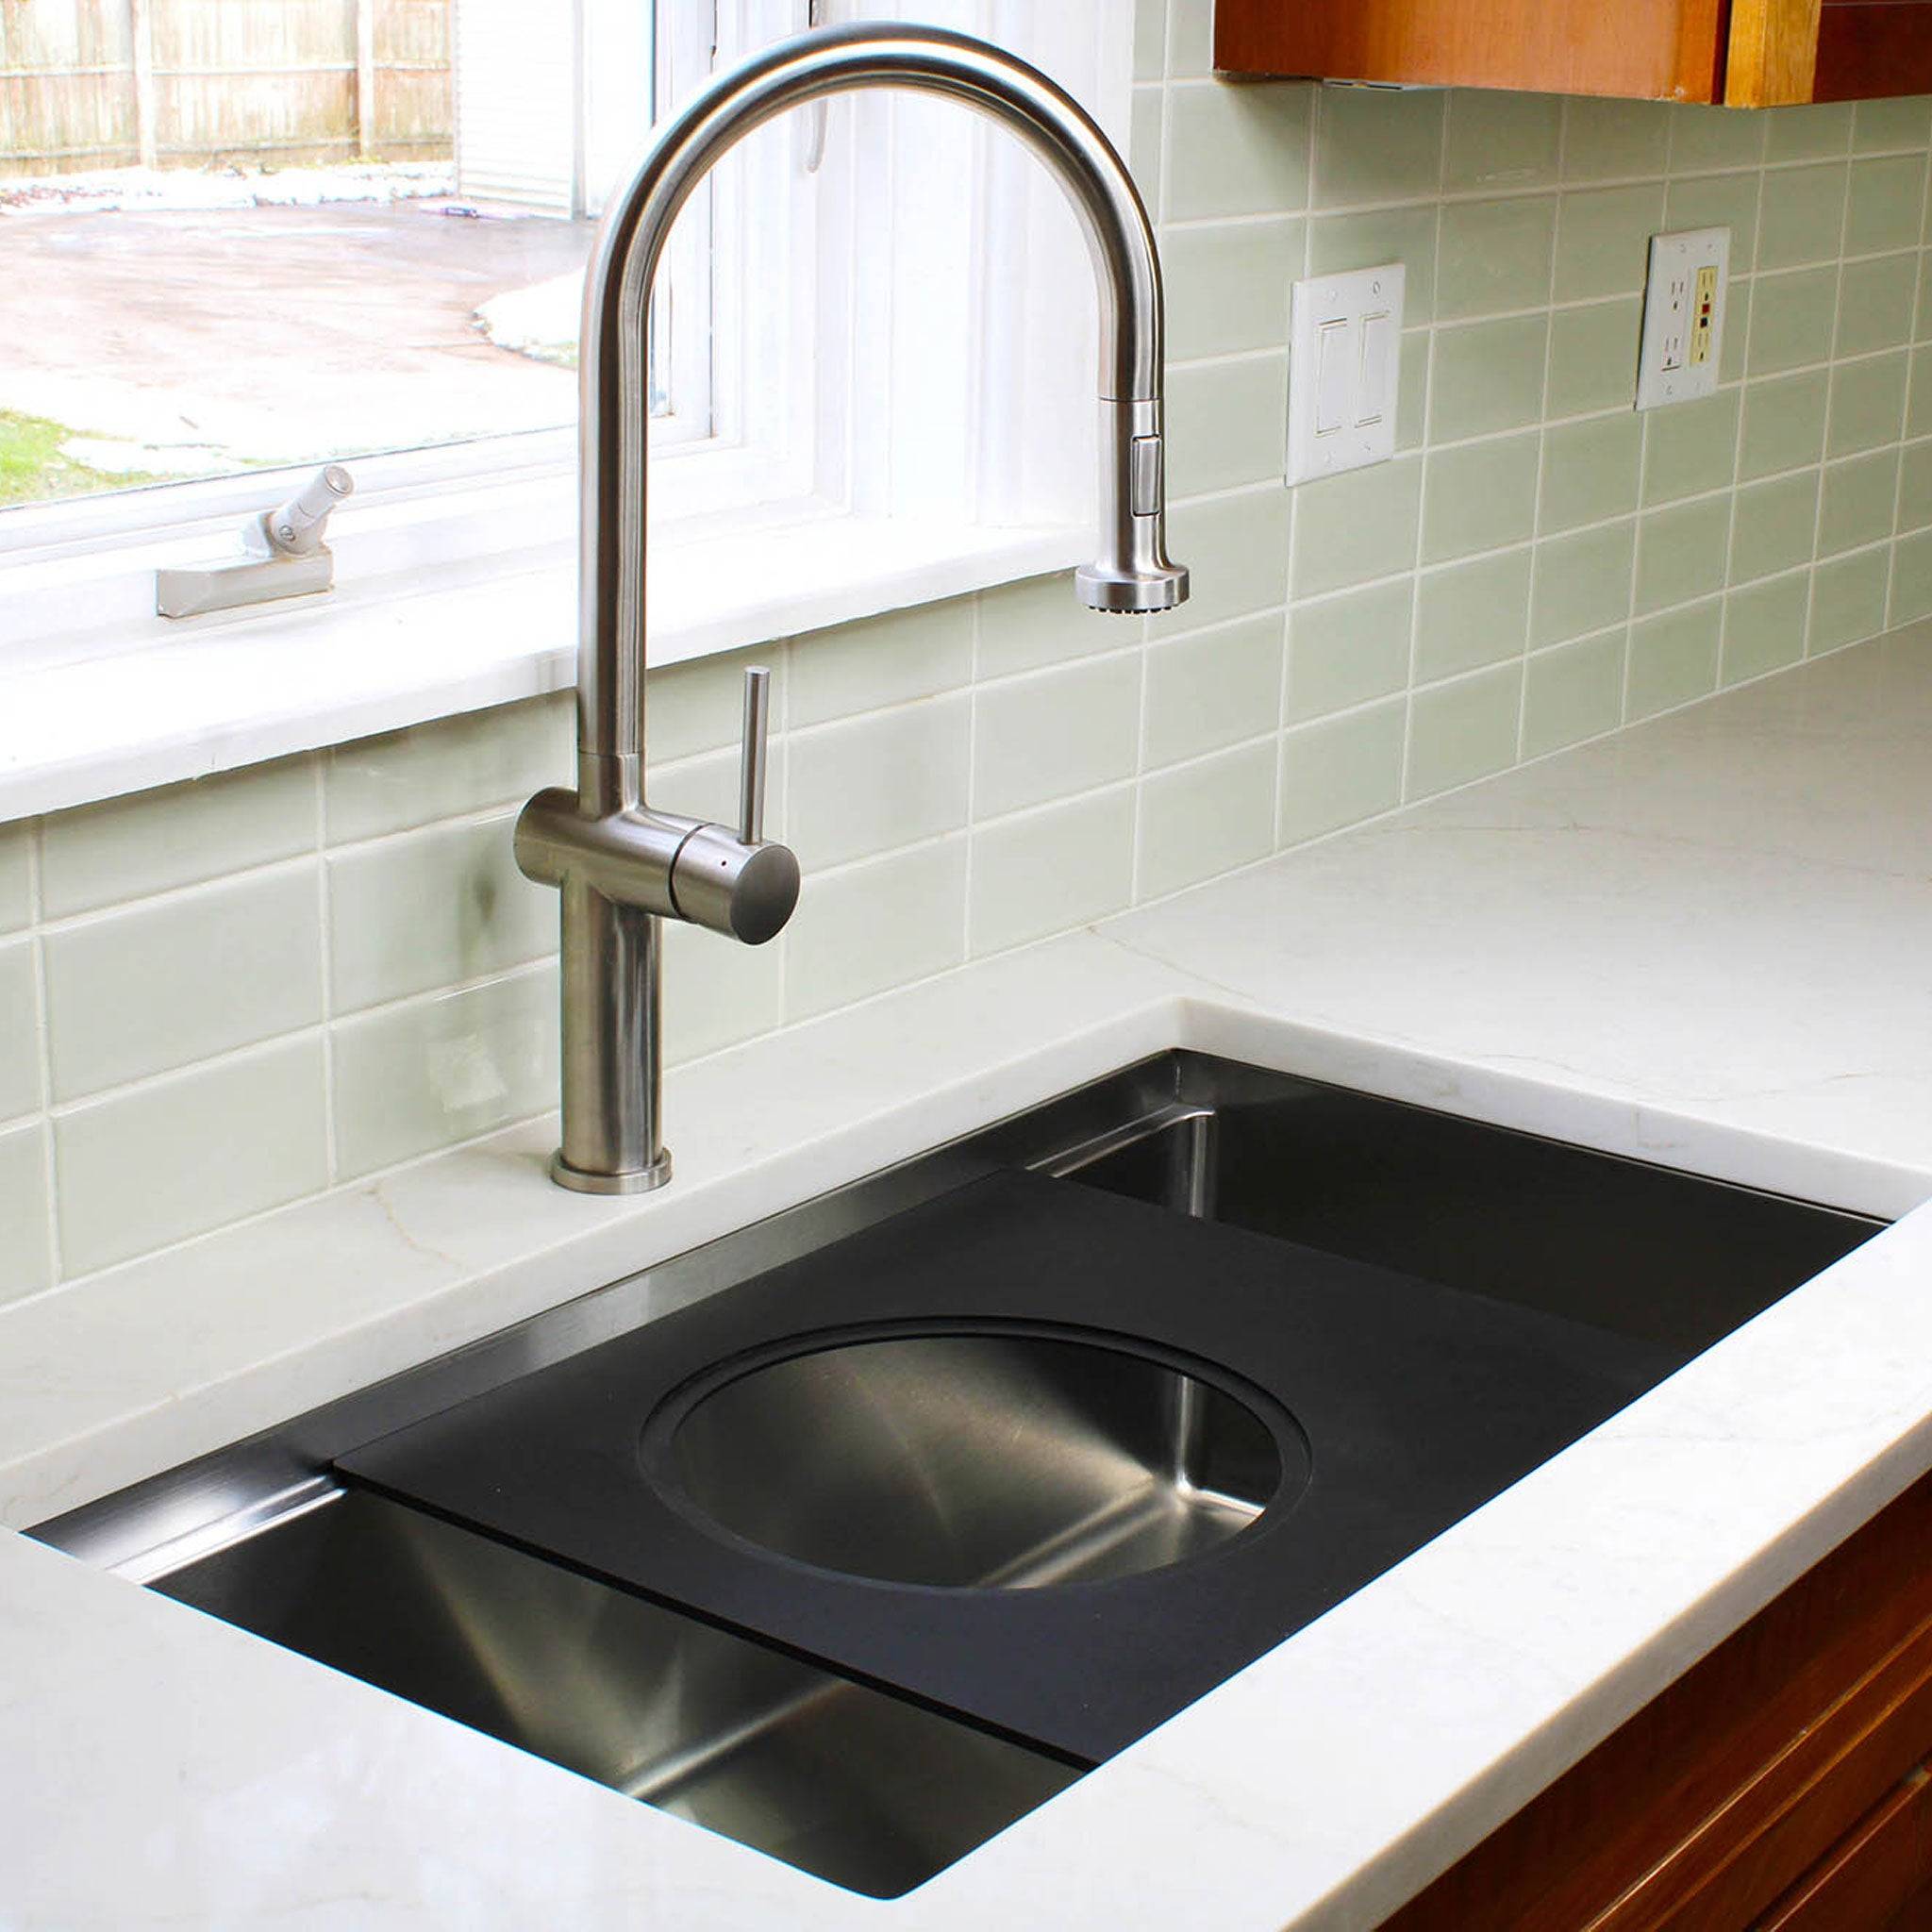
x: 1132, y: 573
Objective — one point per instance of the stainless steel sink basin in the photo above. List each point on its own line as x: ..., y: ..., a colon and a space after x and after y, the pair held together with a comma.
x: 984, y: 1461
x: 1657, y: 1256
x: 981, y: 1464
x: 865, y: 1790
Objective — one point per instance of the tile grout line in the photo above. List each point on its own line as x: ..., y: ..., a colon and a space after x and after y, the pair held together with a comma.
x: 1917, y: 348
x: 1543, y: 453
x: 1844, y: 223
x: 971, y: 824
x: 325, y: 931
x: 1735, y: 486
x: 50, y: 1158
x: 1140, y: 771
x: 1529, y: 426
x: 468, y: 819
x: 1285, y: 634
x: 1898, y: 488
x: 1404, y: 789
x: 312, y: 1029
x: 369, y: 1181
x: 1277, y: 830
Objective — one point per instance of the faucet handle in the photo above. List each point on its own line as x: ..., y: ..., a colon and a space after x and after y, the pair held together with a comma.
x: 751, y: 767
x: 734, y: 882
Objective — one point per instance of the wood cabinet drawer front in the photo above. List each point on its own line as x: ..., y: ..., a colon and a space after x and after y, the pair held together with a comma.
x: 1874, y: 1877
x: 1798, y: 1808
x: 1716, y: 1803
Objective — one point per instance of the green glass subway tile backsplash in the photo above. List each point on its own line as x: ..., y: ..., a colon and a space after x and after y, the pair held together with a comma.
x: 1539, y: 564
x: 1783, y: 425
x: 1764, y: 626
x: 1582, y: 581
x: 1572, y: 693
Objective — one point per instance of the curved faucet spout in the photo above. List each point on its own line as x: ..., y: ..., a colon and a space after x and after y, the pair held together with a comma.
x: 621, y: 866
x: 1132, y: 572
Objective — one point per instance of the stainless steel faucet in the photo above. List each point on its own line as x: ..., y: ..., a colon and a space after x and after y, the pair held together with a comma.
x: 623, y: 865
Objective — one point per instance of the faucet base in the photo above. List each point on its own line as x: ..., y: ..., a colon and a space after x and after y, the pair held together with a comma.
x: 639, y: 1180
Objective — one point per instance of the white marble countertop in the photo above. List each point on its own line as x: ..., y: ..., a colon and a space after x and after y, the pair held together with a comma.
x: 1706, y: 942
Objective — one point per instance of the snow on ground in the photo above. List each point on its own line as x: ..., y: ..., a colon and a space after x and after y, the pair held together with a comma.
x: 541, y: 320
x: 146, y: 191
x: 112, y: 457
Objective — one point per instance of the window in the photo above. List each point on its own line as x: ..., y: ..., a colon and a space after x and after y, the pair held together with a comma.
x: 874, y: 330
x: 379, y: 246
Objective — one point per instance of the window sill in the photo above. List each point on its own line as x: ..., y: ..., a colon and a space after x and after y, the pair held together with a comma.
x: 171, y: 701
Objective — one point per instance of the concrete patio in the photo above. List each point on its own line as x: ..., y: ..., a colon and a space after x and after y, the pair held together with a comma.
x: 183, y: 341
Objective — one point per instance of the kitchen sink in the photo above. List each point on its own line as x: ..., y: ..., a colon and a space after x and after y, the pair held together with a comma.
x: 863, y: 1788
x: 860, y: 1533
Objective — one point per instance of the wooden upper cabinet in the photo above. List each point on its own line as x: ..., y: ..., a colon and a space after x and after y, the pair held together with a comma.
x: 1739, y: 53
x: 1867, y: 48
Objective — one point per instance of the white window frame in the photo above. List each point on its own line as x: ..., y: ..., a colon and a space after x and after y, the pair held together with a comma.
x: 970, y: 462
x: 686, y: 310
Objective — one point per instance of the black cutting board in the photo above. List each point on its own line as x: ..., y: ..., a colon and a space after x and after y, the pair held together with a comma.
x: 1418, y: 1403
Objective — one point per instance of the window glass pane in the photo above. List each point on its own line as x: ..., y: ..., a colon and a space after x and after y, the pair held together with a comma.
x: 243, y: 233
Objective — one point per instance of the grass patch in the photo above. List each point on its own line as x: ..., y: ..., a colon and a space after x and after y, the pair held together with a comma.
x: 32, y: 469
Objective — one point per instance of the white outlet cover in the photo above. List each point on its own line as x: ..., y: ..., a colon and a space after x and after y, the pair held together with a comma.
x: 1664, y: 373
x: 1344, y: 371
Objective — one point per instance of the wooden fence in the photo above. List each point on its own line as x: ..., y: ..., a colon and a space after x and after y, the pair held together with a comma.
x: 109, y: 83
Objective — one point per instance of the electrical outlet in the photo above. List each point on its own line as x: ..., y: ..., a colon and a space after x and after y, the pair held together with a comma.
x: 1683, y: 316
x: 1703, y: 315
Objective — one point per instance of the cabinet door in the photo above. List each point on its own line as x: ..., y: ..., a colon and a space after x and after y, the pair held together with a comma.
x: 1751, y: 54
x: 1874, y: 1878
x: 1656, y: 49
x: 1872, y: 48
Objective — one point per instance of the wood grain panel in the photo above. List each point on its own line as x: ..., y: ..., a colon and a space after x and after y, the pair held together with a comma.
x: 1802, y: 1803
x: 1654, y: 49
x: 1773, y: 52
x: 1870, y: 48
x: 1867, y: 1882
x: 1724, y: 1789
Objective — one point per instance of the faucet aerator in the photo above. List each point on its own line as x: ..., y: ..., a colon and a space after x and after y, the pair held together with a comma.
x: 1131, y: 593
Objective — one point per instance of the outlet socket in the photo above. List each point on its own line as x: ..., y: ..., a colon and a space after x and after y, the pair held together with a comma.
x: 1683, y: 316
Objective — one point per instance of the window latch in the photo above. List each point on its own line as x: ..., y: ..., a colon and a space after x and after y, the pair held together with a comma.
x: 282, y: 554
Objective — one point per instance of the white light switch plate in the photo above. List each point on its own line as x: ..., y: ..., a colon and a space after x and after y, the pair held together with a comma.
x: 1344, y: 371
x: 1683, y: 316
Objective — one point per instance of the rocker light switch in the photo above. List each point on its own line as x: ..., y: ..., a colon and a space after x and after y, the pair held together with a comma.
x: 1345, y: 334
x: 1334, y: 379
x: 1378, y: 365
